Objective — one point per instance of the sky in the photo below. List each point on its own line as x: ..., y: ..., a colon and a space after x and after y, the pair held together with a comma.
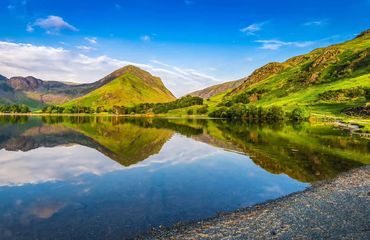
x: 190, y: 44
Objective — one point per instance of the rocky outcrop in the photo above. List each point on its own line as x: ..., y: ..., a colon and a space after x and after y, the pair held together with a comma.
x: 259, y: 75
x: 25, y: 83
x: 326, y: 58
x: 358, y: 111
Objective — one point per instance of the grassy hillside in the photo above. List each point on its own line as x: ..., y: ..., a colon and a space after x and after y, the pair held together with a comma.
x: 217, y: 89
x: 324, y: 81
x: 134, y: 86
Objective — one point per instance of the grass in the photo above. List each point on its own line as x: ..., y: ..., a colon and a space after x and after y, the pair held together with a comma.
x: 126, y: 90
x: 301, y: 80
x: 309, y: 97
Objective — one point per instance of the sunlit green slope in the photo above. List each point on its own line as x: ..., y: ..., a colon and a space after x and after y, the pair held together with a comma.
x: 325, y: 81
x: 133, y: 86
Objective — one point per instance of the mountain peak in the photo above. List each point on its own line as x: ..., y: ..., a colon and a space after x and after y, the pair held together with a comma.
x: 130, y: 68
x: 126, y: 86
x: 143, y: 75
x: 25, y: 83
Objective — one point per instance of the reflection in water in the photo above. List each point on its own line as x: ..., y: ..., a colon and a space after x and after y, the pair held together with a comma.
x: 51, y: 164
x: 111, y: 177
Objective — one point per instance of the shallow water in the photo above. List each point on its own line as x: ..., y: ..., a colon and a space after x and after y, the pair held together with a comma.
x: 115, y: 178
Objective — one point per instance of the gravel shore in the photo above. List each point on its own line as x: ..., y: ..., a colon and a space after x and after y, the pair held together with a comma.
x: 337, y: 209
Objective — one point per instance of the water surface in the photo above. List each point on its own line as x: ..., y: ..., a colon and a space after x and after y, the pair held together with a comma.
x: 115, y: 178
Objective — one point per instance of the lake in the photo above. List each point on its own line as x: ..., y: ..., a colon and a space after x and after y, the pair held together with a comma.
x: 115, y: 177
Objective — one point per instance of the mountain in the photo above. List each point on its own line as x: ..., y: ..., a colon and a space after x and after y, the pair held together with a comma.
x: 35, y: 92
x: 127, y: 86
x: 217, y: 89
x: 326, y: 80
x: 5, y: 90
x: 8, y: 95
x: 138, y: 86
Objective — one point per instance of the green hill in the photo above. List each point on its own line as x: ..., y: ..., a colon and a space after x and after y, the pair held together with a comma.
x: 127, y: 86
x: 217, y: 89
x: 325, y: 81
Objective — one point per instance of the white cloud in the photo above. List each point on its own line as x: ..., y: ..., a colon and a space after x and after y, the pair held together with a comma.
x: 276, y: 44
x: 51, y: 24
x: 16, y: 4
x: 316, y: 23
x: 60, y: 64
x: 29, y: 28
x: 252, y: 29
x: 91, y: 40
x: 175, y: 152
x: 146, y: 38
x: 85, y: 48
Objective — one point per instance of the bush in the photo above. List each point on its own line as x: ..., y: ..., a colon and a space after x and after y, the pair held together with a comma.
x: 73, y: 109
x: 190, y: 112
x: 218, y: 113
x: 250, y: 113
x: 183, y: 102
x: 202, y: 110
x: 298, y: 114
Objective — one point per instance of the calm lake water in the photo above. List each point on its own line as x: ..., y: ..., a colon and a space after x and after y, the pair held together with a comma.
x: 115, y: 178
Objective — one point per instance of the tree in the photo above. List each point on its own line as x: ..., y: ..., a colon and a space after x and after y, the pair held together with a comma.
x: 298, y: 114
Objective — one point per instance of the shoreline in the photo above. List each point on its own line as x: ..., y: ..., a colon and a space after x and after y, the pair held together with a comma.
x: 334, y: 122
x: 108, y: 115
x: 333, y: 209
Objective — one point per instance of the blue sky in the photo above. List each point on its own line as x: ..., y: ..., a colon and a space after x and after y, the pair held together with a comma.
x: 189, y: 43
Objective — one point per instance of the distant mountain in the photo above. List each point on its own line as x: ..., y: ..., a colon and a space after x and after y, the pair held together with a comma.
x: 6, y: 92
x: 135, y: 86
x: 217, y: 89
x: 35, y: 92
x: 326, y: 80
x: 2, y: 78
x: 125, y: 87
x: 8, y: 95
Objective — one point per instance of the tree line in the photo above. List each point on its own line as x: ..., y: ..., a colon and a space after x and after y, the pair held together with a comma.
x: 16, y: 108
x: 158, y: 108
x: 259, y: 114
x: 142, y: 108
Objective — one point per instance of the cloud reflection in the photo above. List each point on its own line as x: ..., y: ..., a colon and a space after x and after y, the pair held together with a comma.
x: 52, y: 164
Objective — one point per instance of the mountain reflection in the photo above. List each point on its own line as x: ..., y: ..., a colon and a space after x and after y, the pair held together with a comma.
x: 304, y: 152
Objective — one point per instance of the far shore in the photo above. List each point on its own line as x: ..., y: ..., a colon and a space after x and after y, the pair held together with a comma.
x: 353, y: 126
x: 110, y: 115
